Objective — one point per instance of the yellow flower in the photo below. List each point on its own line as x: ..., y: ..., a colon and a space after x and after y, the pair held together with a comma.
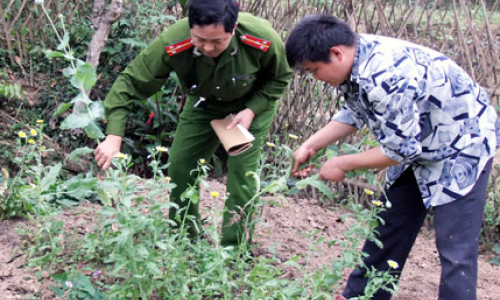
x: 121, y: 156
x: 41, y: 199
x: 21, y: 134
x: 368, y: 192
x: 33, y: 132
x: 393, y: 264
x: 31, y: 141
x: 161, y: 149
x: 42, y: 148
x: 214, y: 194
x: 293, y: 136
x: 271, y: 145
x: 167, y: 179
x: 377, y: 202
x: 39, y: 121
x: 202, y: 161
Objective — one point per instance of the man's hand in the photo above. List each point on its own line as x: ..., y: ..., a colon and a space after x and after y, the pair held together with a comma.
x: 244, y: 118
x: 302, y: 155
x: 106, y: 150
x: 333, y: 170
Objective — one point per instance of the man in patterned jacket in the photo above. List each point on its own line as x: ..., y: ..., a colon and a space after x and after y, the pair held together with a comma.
x: 437, y: 136
x: 228, y: 63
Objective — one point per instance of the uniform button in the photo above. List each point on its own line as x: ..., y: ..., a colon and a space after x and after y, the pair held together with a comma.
x: 219, y: 98
x: 217, y: 87
x: 245, y: 84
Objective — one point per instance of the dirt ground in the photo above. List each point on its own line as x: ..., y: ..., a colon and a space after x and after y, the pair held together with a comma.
x: 280, y: 233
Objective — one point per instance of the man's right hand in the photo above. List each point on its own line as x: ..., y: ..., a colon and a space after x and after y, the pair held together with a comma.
x: 302, y: 155
x: 106, y: 150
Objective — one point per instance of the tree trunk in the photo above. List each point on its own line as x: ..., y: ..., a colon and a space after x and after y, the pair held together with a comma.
x: 102, y: 21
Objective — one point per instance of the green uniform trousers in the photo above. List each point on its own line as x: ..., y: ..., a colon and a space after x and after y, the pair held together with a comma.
x: 194, y: 139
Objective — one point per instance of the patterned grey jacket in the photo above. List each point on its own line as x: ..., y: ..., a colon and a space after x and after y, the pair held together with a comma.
x: 425, y: 111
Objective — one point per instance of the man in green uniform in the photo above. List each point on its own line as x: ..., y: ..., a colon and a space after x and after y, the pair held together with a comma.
x: 227, y: 63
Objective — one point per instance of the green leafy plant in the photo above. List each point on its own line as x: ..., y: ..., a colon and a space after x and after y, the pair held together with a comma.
x: 76, y: 287
x: 82, y: 77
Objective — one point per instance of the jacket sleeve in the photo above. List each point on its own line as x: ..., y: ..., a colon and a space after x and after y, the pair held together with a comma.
x: 276, y: 77
x: 141, y: 79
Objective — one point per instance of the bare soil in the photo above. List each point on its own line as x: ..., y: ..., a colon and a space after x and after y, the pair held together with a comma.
x: 280, y: 233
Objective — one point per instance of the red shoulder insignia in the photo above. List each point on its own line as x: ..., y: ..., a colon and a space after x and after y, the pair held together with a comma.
x: 256, y: 42
x: 178, y: 47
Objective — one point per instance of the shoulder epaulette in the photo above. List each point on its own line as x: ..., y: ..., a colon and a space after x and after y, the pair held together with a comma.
x: 256, y: 42
x: 178, y: 47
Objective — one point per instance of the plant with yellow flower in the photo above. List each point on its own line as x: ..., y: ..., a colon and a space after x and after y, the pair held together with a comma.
x: 161, y: 149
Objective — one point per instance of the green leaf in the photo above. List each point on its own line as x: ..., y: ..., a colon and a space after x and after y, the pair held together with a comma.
x: 134, y: 43
x: 85, y: 77
x: 50, y: 177
x: 67, y: 203
x: 370, y: 178
x: 315, y: 182
x: 57, y: 290
x: 93, y: 131
x: 496, y: 261
x: 74, y: 121
x: 65, y: 41
x: 496, y: 248
x: 68, y: 72
x: 79, y: 152
x: 62, y: 108
x: 52, y: 54
x: 121, y: 239
x: 105, y: 199
x: 97, y: 110
x: 79, y: 188
x: 154, y: 269
x: 175, y: 78
x: 276, y: 186
x: 81, y: 98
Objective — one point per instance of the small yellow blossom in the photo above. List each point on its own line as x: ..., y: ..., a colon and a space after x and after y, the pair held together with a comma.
x: 121, y: 156
x: 377, y: 202
x: 41, y: 199
x: 293, y: 136
x: 168, y: 179
x: 368, y: 192
x: 42, y: 148
x: 214, y: 194
x: 21, y: 134
x: 161, y: 149
x: 271, y: 145
x: 39, y: 121
x: 393, y: 264
x: 33, y: 132
x: 202, y: 161
x: 31, y: 141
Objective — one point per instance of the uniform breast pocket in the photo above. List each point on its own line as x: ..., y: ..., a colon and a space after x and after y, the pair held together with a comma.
x: 240, y: 85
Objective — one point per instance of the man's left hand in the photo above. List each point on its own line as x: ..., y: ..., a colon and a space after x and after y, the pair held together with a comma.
x: 244, y: 118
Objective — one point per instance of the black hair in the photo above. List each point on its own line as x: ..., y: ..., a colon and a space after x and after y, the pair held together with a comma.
x: 312, y: 38
x: 213, y: 12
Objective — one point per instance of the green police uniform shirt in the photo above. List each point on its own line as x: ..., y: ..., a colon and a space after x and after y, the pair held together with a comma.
x: 252, y: 69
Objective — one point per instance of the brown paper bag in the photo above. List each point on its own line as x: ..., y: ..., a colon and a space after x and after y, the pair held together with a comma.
x: 236, y: 140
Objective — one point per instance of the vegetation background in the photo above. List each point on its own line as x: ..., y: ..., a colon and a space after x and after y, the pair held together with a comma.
x: 108, y: 34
